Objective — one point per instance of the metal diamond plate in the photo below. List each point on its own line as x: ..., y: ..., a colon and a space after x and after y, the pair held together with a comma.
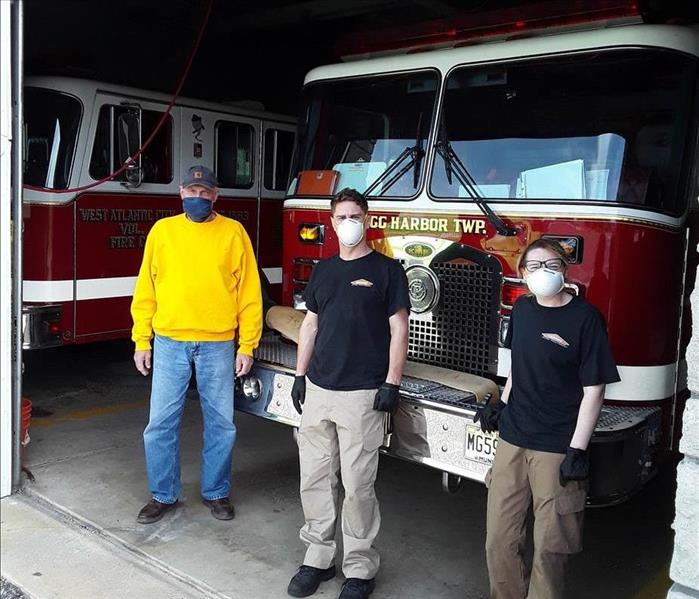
x: 280, y: 404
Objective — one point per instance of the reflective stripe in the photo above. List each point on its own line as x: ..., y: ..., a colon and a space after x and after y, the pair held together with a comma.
x: 638, y: 383
x: 103, y: 288
x: 47, y: 291
x: 87, y: 289
x: 504, y: 362
x: 62, y: 291
x: 643, y: 383
x: 274, y: 275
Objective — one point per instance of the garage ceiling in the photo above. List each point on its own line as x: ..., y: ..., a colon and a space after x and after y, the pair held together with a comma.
x: 253, y: 49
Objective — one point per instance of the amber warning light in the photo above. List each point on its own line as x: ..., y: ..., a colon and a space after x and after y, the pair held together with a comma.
x: 312, y: 233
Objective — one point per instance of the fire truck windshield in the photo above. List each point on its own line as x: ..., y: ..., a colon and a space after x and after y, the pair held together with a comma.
x: 370, y: 130
x: 609, y: 126
x: 51, y: 122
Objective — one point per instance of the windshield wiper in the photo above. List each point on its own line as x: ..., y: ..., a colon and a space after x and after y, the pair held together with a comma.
x: 453, y: 165
x: 419, y: 152
x: 414, y: 154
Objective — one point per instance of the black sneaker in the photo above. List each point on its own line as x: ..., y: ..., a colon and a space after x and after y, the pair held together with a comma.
x: 221, y: 509
x: 357, y: 588
x: 154, y: 511
x: 307, y: 580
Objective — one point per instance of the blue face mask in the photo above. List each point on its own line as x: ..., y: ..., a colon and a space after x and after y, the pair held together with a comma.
x: 197, y: 209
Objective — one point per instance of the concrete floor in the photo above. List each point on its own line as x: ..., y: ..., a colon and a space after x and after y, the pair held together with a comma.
x: 87, y: 456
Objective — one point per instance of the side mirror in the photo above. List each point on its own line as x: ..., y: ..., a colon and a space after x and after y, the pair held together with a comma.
x: 128, y: 143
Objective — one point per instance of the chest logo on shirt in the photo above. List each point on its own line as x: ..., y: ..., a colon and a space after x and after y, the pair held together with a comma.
x: 554, y: 338
x: 361, y: 283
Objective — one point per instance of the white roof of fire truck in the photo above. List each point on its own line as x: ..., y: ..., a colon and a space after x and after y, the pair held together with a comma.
x: 671, y: 37
x: 86, y: 90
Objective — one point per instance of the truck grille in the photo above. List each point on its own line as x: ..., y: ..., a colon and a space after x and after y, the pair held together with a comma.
x: 461, y: 331
x: 275, y: 350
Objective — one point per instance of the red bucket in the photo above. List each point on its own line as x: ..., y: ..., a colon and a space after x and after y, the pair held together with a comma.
x: 26, y: 419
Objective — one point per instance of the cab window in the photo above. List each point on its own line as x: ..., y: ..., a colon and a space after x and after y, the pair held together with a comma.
x: 108, y: 151
x: 279, y: 146
x: 235, y: 144
x: 593, y: 127
x: 51, y: 124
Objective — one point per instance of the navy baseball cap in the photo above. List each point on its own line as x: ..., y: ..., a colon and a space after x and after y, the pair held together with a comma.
x: 200, y: 175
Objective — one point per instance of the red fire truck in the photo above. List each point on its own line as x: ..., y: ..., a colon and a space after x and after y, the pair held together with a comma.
x: 472, y: 141
x: 82, y: 249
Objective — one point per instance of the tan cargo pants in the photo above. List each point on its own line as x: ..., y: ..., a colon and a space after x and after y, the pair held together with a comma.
x: 517, y: 477
x: 340, y: 430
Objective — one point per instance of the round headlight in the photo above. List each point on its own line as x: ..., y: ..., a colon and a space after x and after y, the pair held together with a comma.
x: 423, y: 288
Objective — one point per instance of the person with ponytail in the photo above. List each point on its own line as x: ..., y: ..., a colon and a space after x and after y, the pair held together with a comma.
x: 561, y: 362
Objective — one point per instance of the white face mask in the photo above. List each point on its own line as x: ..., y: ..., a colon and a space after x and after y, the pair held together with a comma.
x: 350, y: 232
x: 544, y: 282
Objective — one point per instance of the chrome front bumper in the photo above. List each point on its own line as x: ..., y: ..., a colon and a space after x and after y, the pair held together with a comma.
x: 423, y: 430
x: 434, y: 427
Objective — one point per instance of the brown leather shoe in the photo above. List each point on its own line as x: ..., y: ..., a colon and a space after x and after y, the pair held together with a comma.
x: 221, y: 509
x: 154, y: 511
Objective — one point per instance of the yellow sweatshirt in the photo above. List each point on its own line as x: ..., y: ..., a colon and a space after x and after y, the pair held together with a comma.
x: 198, y: 282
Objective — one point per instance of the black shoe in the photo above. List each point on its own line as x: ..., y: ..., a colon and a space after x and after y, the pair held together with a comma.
x: 307, y: 580
x: 357, y: 588
x: 221, y: 509
x: 153, y: 511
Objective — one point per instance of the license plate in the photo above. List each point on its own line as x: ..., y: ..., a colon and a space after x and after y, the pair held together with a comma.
x: 480, y: 446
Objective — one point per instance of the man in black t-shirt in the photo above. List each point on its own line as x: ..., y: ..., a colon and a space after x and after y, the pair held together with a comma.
x: 352, y: 348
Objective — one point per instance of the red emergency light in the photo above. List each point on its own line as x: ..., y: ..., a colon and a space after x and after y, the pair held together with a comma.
x: 508, y: 22
x: 302, y: 269
x: 511, y: 292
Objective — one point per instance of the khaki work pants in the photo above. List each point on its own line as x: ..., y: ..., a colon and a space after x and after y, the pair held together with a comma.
x: 519, y: 476
x: 340, y: 430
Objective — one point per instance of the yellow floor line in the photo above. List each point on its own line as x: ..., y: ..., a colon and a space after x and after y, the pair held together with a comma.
x: 657, y: 586
x: 87, y: 414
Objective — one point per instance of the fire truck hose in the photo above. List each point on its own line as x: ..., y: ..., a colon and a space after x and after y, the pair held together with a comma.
x: 166, y: 114
x: 484, y: 389
x: 287, y: 321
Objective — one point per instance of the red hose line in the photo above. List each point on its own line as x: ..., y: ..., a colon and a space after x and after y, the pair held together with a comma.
x: 145, y: 145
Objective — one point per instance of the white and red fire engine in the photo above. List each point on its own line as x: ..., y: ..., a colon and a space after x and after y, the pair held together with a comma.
x: 83, y: 247
x: 470, y: 142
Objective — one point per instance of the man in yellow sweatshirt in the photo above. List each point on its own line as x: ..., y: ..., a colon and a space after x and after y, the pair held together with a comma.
x: 197, y: 290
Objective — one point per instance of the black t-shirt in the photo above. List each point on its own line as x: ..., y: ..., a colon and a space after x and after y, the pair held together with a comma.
x: 354, y: 300
x: 555, y: 353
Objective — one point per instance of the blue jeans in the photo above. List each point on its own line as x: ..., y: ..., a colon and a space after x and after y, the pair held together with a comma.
x: 172, y: 369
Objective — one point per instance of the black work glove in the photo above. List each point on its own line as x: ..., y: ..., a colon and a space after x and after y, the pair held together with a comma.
x: 489, y: 416
x: 298, y: 392
x: 575, y: 466
x: 387, y: 398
